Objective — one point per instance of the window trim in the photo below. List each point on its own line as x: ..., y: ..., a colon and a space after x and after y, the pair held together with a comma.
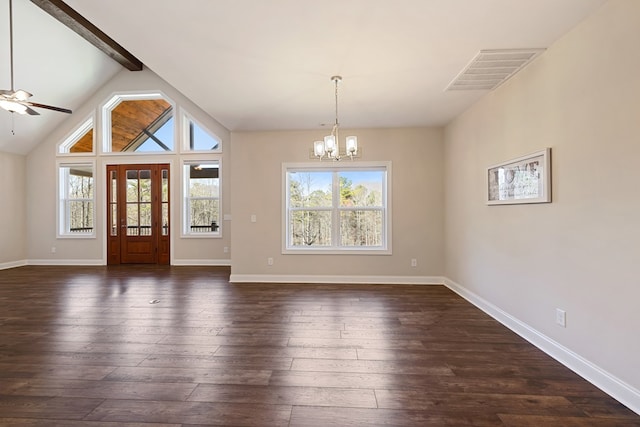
x: 61, y: 198
x: 386, y: 248
x: 185, y: 226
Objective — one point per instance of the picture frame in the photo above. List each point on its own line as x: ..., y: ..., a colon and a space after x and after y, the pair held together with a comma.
x: 523, y: 180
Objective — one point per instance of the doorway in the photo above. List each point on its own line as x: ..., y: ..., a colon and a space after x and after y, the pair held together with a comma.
x: 138, y: 214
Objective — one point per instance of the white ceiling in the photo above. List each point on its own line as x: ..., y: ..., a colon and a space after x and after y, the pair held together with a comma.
x: 266, y: 65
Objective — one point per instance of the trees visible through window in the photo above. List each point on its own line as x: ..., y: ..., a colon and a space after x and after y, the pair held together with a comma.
x: 202, y: 197
x: 76, y: 199
x: 336, y: 208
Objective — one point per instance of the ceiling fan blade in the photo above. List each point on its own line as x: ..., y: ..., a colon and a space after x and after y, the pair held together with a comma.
x: 50, y: 107
x: 31, y: 112
x: 21, y: 95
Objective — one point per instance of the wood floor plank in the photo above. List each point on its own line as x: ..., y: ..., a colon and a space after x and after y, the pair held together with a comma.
x: 78, y: 372
x: 355, y: 343
x: 206, y: 413
x: 516, y: 420
x: 103, y: 389
x: 30, y: 422
x: 370, y: 366
x: 191, y: 375
x: 47, y: 407
x: 271, y: 395
x: 477, y: 403
x: 82, y: 346
x: 218, y: 362
x: 308, y: 416
x: 293, y: 352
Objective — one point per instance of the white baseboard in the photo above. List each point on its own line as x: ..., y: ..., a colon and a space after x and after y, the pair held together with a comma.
x: 13, y: 264
x: 186, y: 262
x: 65, y: 262
x: 209, y: 262
x: 618, y: 389
x: 378, y: 280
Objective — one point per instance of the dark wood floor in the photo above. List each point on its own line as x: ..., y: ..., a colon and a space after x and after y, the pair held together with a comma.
x: 84, y: 346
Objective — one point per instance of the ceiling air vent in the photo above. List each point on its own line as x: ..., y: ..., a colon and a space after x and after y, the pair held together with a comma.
x: 490, y: 68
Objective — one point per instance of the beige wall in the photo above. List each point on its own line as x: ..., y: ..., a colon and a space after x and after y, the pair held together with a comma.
x: 13, y: 249
x: 41, y: 183
x: 579, y: 253
x: 416, y: 156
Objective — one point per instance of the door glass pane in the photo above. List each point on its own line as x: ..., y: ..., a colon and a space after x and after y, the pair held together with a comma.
x: 145, y: 219
x: 113, y: 230
x: 165, y: 219
x: 145, y: 185
x: 132, y: 186
x: 132, y: 219
x: 165, y: 185
x: 114, y: 187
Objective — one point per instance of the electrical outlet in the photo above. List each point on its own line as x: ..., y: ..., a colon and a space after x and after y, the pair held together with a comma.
x: 414, y: 262
x: 53, y: 249
x: 254, y: 218
x: 269, y: 261
x: 561, y: 317
x: 225, y: 249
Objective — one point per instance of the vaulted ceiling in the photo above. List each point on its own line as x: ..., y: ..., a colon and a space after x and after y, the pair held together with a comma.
x: 266, y: 65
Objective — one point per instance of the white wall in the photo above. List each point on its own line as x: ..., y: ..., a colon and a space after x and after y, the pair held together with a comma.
x: 581, y: 252
x: 41, y: 183
x: 416, y: 156
x: 13, y: 249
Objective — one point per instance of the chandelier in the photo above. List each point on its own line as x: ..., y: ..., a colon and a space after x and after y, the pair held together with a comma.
x: 330, y: 147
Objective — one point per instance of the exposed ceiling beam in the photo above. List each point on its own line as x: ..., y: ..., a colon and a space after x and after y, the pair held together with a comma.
x: 72, y: 19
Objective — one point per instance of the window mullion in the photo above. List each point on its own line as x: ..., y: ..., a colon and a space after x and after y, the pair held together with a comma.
x: 335, y: 215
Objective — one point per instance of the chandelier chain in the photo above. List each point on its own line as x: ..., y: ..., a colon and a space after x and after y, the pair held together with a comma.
x: 337, y: 80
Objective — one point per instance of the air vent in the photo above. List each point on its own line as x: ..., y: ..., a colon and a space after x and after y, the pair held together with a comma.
x: 490, y: 68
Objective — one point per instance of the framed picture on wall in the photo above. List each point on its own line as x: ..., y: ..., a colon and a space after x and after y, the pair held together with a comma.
x: 526, y: 179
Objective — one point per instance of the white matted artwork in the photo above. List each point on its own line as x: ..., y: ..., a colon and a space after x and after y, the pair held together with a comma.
x: 526, y: 179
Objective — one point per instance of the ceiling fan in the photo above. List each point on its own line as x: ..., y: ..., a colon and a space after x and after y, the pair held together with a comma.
x: 17, y: 101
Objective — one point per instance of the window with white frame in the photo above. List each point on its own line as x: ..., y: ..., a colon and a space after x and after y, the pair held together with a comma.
x: 340, y: 208
x: 76, y: 206
x: 138, y: 123
x: 80, y: 141
x: 199, y: 138
x: 201, y: 198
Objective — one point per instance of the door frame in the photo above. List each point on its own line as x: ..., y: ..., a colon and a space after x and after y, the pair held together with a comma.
x: 112, y: 242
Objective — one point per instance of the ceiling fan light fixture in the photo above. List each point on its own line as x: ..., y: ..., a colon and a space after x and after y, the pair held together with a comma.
x: 14, y: 107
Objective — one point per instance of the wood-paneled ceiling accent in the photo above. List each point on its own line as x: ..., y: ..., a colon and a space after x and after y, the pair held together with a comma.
x: 130, y: 119
x: 84, y: 144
